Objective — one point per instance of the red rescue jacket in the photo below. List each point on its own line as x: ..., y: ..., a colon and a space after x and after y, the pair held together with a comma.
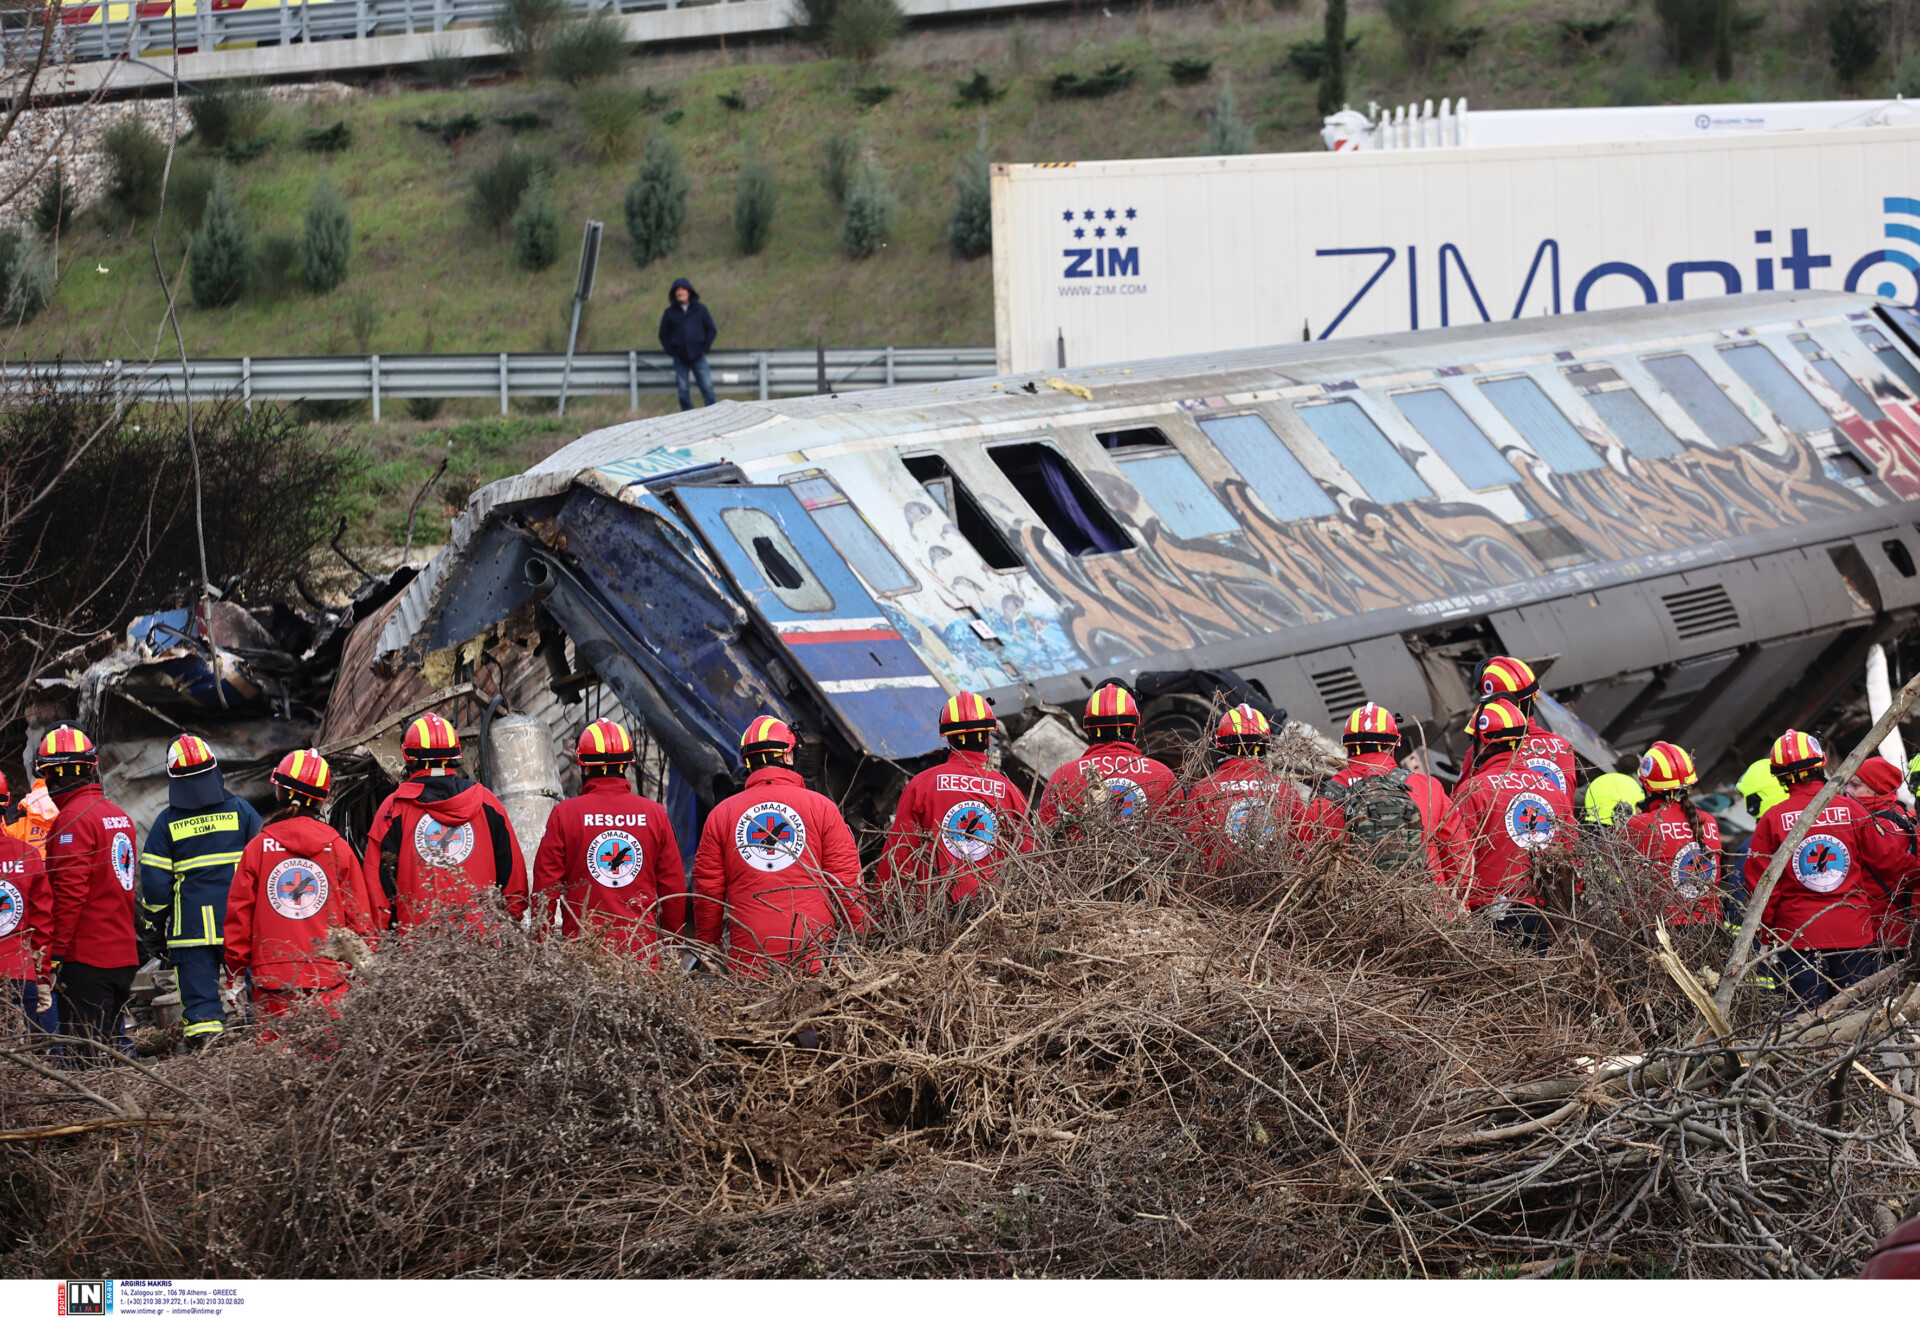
x: 439, y: 842
x: 776, y: 871
x: 1133, y: 785
x: 1248, y: 808
x: 296, y: 880
x: 26, y: 910
x: 1830, y: 896
x: 1660, y: 831
x: 1546, y: 753
x: 1449, y: 858
x: 92, y: 863
x: 1893, y: 906
x: 1506, y: 814
x: 955, y: 823
x: 610, y: 861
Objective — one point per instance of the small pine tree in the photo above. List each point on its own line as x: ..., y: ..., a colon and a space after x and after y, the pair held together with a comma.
x: 970, y: 231
x: 53, y: 208
x: 536, y: 227
x: 222, y: 253
x: 1854, y: 40
x: 1333, y: 69
x: 26, y: 276
x: 753, y: 202
x: 871, y: 208
x: 326, y: 239
x: 1226, y: 134
x: 657, y: 202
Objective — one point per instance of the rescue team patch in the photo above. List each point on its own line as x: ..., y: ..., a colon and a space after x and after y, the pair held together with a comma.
x: 297, y: 888
x: 613, y: 858
x: 1530, y: 821
x: 1242, y: 815
x: 1128, y: 796
x: 1822, y: 862
x: 1550, y: 770
x: 770, y: 836
x: 440, y: 846
x: 123, y: 864
x: 970, y: 831
x: 1694, y: 870
x: 13, y: 908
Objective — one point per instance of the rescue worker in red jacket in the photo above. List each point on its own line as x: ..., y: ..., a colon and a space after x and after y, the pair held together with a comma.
x: 1508, y: 814
x: 1681, y: 839
x: 1372, y: 812
x: 1546, y: 753
x: 440, y: 840
x: 92, y: 864
x: 296, y: 881
x: 609, y: 859
x: 26, y: 926
x: 1247, y: 808
x: 1114, y: 779
x: 1823, y: 915
x: 957, y: 821
x: 777, y: 871
x: 1877, y: 787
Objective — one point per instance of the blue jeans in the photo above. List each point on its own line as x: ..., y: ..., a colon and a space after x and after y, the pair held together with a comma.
x: 47, y: 1021
x: 699, y: 370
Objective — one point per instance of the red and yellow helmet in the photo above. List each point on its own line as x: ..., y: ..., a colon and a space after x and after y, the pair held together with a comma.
x: 1112, y: 707
x: 1666, y: 768
x: 430, y: 738
x: 1509, y: 678
x: 1795, y: 751
x: 1371, y: 725
x: 1499, y: 720
x: 767, y: 735
x: 966, y: 712
x: 187, y: 756
x: 66, y: 744
x: 604, y: 742
x: 1240, y: 725
x: 304, y: 773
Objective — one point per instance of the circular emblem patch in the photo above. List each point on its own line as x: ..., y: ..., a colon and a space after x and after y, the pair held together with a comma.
x: 1530, y: 821
x: 13, y: 908
x: 1822, y: 862
x: 1244, y: 816
x: 770, y: 836
x: 1128, y: 796
x: 1550, y: 770
x: 614, y: 858
x: 123, y: 866
x: 439, y: 846
x: 297, y: 888
x: 970, y: 831
x: 1694, y: 870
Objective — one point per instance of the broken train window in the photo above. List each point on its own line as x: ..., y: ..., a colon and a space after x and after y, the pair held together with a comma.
x: 781, y: 566
x: 866, y: 553
x: 1061, y: 498
x: 954, y: 499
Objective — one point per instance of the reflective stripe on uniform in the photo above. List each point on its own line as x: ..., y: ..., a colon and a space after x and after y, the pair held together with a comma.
x: 207, y: 862
x: 210, y: 929
x: 203, y: 1027
x: 158, y: 862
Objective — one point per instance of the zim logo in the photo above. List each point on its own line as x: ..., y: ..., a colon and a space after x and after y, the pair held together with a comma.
x: 1695, y: 869
x: 1095, y: 225
x: 1822, y: 862
x: 614, y: 858
x: 122, y: 852
x: 297, y: 888
x: 439, y: 846
x: 970, y: 831
x: 1530, y: 821
x: 770, y: 836
x: 13, y: 908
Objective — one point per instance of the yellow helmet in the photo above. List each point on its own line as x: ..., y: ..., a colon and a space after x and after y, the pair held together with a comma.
x: 1759, y: 781
x: 1607, y: 793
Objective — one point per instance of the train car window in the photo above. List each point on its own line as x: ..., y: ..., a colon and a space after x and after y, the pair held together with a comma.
x: 866, y: 553
x: 1527, y: 408
x: 1460, y: 443
x: 1061, y: 499
x: 1769, y: 377
x: 1174, y: 490
x: 1268, y: 466
x: 1700, y: 398
x: 1890, y: 358
x: 958, y: 503
x: 1625, y: 412
x: 1836, y: 375
x: 780, y: 564
x: 1353, y: 439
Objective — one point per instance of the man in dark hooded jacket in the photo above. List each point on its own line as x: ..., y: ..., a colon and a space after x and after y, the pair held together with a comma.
x: 687, y: 331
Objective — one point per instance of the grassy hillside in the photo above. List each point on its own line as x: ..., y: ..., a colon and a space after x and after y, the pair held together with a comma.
x: 425, y: 275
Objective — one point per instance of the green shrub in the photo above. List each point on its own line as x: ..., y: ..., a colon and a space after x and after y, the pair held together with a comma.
x: 753, y: 202
x: 673, y: 116
x: 450, y: 131
x: 1688, y: 28
x: 276, y: 265
x: 26, y: 276
x: 1104, y: 82
x: 1855, y: 40
x: 53, y: 205
x: 732, y: 100
x: 1332, y: 73
x: 136, y: 163
x: 871, y: 209
x: 1309, y: 58
x: 326, y: 239
x: 1580, y: 34
x: 1421, y: 26
x: 523, y: 28
x: 871, y: 94
x: 493, y: 191
x: 240, y: 151
x: 862, y: 30
x: 815, y: 19
x: 222, y: 254
x: 610, y: 118
x: 838, y: 156
x: 977, y: 90
x: 652, y: 102
x: 970, y: 231
x: 584, y: 50
x: 1227, y: 134
x: 536, y: 227
x: 656, y: 202
x: 445, y: 66
x: 1187, y: 71
x: 521, y: 121
x: 336, y: 136
x: 225, y: 115
x: 363, y: 319
x: 188, y: 189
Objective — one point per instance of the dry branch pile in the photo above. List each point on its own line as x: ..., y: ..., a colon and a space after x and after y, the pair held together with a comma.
x: 1117, y: 1066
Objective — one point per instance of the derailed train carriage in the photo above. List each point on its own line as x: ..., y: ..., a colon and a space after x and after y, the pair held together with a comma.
x: 1696, y: 518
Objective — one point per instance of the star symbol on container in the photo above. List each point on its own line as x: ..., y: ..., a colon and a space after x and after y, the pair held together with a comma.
x: 1120, y: 232
x: 1130, y: 214
x: 1100, y: 232
x: 1089, y: 215
x: 1079, y: 233
x: 1109, y: 212
x: 1067, y: 216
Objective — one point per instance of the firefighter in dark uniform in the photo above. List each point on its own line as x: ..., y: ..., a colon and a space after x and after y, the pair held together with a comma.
x: 186, y: 872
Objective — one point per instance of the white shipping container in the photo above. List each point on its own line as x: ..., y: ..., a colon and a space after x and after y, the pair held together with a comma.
x: 1113, y: 261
